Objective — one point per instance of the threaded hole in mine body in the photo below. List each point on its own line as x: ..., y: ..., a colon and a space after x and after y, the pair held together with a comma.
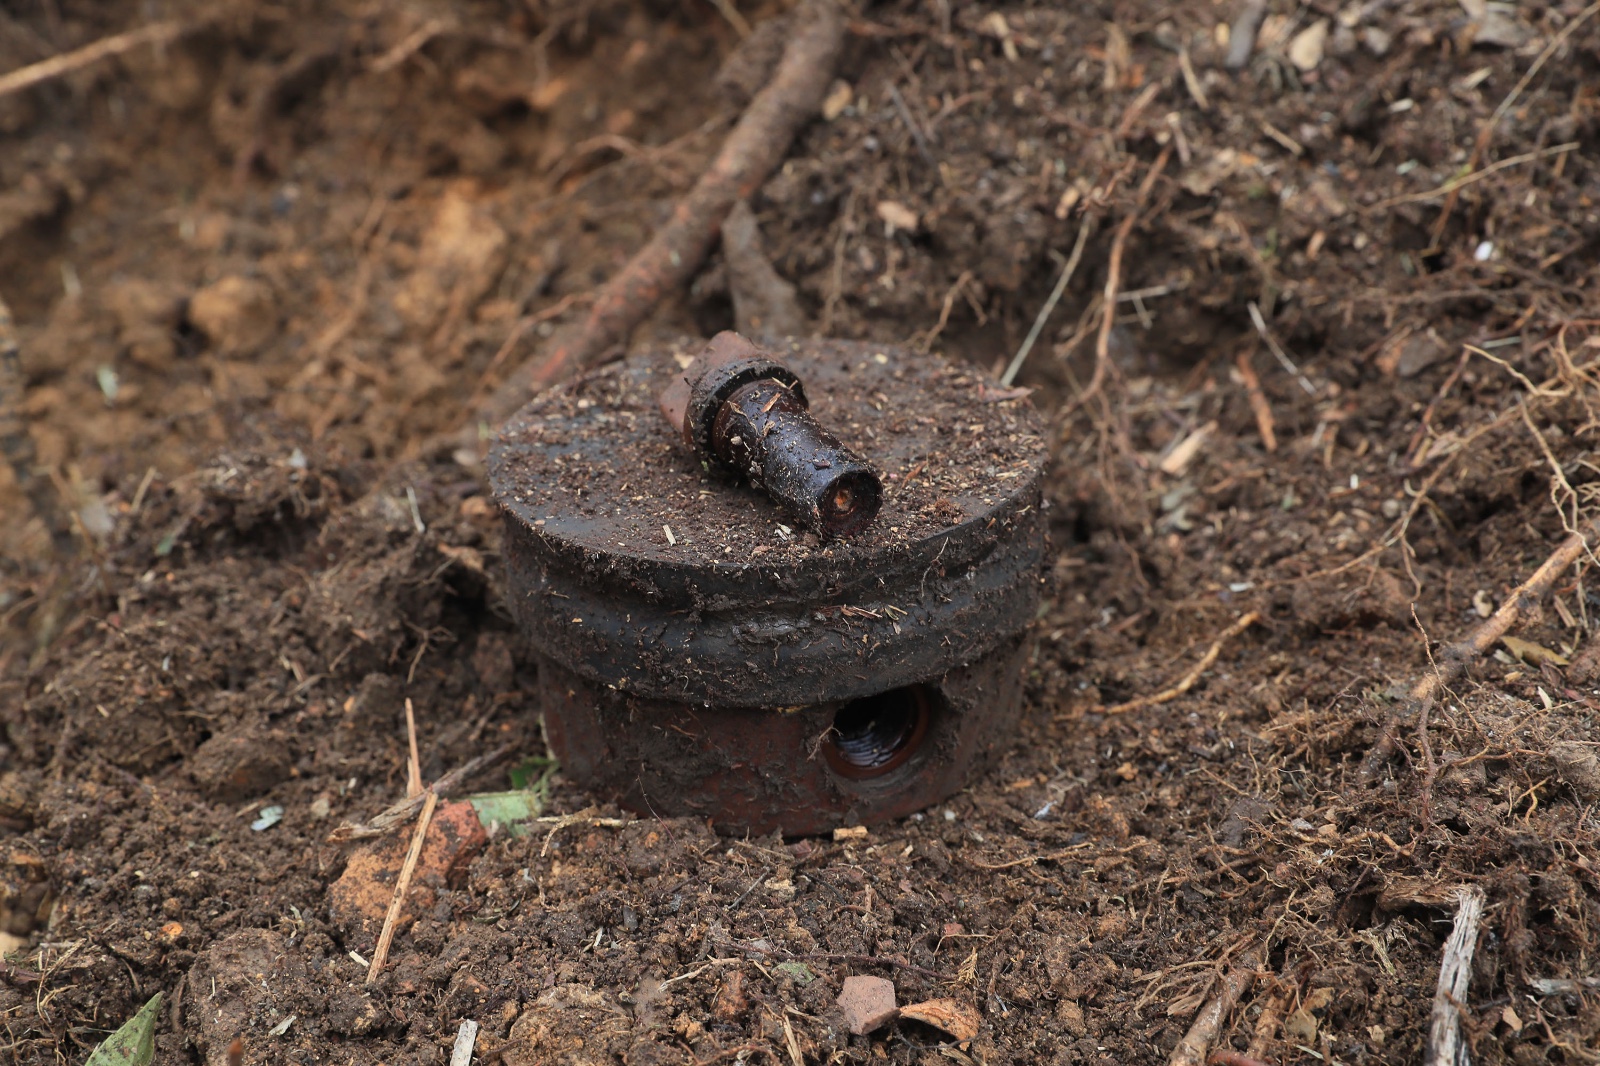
x: 875, y: 735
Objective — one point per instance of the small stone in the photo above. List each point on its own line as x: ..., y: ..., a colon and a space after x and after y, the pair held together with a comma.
x: 868, y: 1003
x: 838, y: 98
x: 360, y: 898
x: 1307, y: 48
x: 731, y: 1001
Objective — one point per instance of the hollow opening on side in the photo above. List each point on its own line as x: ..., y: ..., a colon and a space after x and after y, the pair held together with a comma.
x: 876, y: 735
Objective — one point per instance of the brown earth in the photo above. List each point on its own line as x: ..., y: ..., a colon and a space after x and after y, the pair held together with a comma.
x: 255, y: 271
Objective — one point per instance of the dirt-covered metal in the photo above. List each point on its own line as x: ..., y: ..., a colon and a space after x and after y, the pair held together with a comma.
x: 700, y: 655
x: 739, y: 407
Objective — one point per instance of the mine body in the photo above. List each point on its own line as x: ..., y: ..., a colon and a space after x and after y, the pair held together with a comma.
x: 701, y: 654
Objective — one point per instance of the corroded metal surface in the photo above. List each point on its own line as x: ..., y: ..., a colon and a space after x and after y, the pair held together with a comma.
x: 700, y: 656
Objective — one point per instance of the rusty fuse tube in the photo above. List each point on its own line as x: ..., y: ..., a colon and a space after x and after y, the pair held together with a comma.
x: 740, y: 408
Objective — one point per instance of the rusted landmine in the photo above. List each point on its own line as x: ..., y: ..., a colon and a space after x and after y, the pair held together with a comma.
x: 701, y: 654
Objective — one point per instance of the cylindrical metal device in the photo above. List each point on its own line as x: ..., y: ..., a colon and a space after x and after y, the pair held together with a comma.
x: 741, y: 408
x: 698, y: 656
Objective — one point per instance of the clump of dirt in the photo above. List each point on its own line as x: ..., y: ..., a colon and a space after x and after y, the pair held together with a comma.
x: 256, y: 273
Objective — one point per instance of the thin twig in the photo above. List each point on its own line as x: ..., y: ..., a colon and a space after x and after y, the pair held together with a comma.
x: 582, y: 818
x: 1455, y: 971
x: 1084, y: 229
x: 1453, y: 659
x: 1277, y: 350
x: 753, y: 149
x: 1027, y: 860
x: 1119, y: 243
x: 157, y: 33
x: 390, y: 920
x: 740, y: 24
x: 915, y: 130
x: 1207, y: 1025
x: 403, y: 811
x: 1170, y: 694
x: 1454, y: 185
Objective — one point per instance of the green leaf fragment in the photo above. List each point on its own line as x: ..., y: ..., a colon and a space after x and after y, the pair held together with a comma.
x: 798, y: 970
x: 509, y: 810
x: 135, y: 1043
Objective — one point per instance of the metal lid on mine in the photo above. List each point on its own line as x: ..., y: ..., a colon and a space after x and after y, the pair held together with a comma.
x: 638, y: 565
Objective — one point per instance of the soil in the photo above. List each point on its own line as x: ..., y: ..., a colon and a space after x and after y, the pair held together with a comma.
x: 257, y: 274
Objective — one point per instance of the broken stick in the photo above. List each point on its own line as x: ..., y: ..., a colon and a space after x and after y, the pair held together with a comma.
x: 1258, y: 401
x: 753, y: 149
x: 1453, y: 659
x: 1207, y: 1025
x: 1119, y: 244
x: 1455, y: 970
x: 391, y: 919
x: 401, y: 812
x: 157, y: 33
x: 1169, y: 694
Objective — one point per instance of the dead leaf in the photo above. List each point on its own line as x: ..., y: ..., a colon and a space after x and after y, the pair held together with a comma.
x: 1301, y: 1027
x: 1531, y: 653
x: 1513, y: 1022
x: 1203, y: 179
x: 950, y: 1015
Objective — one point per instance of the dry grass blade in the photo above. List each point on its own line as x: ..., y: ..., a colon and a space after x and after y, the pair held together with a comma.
x: 1084, y: 230
x: 1119, y: 244
x: 1259, y: 407
x: 396, y: 905
x: 413, y: 761
x: 1456, y: 184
